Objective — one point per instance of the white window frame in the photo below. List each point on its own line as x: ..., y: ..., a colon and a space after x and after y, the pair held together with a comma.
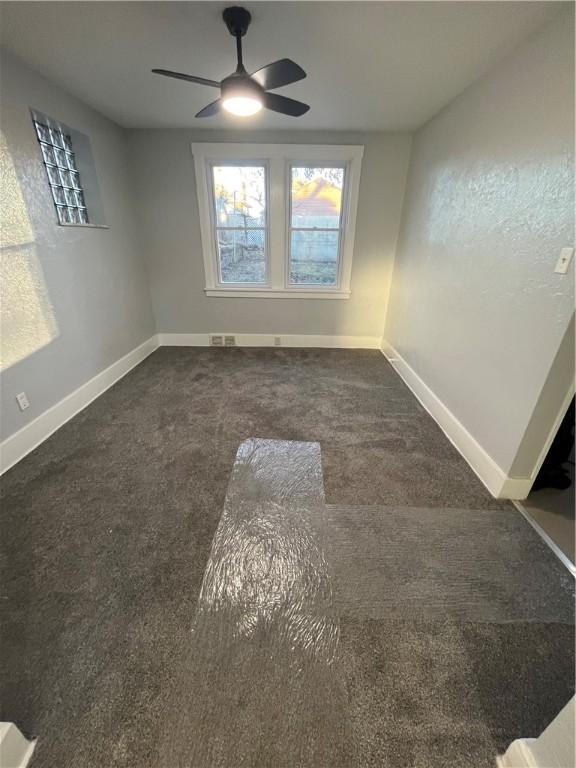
x: 278, y: 159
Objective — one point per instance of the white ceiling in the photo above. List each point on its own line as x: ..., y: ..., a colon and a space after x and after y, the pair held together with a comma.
x: 371, y: 65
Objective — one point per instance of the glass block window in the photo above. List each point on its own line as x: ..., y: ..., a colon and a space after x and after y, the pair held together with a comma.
x: 63, y: 177
x: 315, y: 224
x: 240, y: 219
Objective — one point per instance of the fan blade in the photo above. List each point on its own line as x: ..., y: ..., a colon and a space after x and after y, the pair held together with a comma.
x: 279, y: 73
x: 210, y: 110
x: 189, y: 78
x: 282, y: 104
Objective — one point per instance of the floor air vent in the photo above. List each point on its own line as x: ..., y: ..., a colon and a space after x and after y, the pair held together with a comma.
x: 216, y: 341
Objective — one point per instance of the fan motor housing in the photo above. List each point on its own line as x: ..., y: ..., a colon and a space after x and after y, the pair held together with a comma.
x: 240, y: 84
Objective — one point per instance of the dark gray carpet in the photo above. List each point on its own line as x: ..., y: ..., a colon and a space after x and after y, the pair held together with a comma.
x: 107, y: 529
x: 468, y: 565
x: 266, y: 679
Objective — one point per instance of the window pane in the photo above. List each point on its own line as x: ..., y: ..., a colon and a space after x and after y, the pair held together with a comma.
x: 48, y: 154
x: 242, y: 255
x: 316, y: 196
x: 53, y: 174
x: 43, y: 132
x: 240, y: 195
x: 59, y: 195
x: 56, y: 137
x: 60, y: 155
x: 314, y: 257
x: 65, y: 178
x: 63, y: 216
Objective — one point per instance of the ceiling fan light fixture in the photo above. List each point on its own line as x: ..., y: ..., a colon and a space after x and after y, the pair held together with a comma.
x: 243, y: 106
x: 241, y: 96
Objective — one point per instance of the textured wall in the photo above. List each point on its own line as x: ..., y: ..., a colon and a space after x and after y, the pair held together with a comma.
x: 476, y: 308
x: 74, y: 300
x: 168, y: 209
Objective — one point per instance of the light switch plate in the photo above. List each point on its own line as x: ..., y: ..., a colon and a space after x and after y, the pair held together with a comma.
x: 22, y: 400
x: 564, y: 260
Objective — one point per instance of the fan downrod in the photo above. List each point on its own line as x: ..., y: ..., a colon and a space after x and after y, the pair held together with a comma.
x: 237, y: 20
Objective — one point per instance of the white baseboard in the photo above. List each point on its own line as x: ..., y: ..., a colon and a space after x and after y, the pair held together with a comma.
x: 494, y: 477
x: 554, y: 748
x: 516, y: 488
x: 267, y: 340
x: 183, y: 339
x: 15, y: 750
x: 518, y: 755
x: 18, y: 445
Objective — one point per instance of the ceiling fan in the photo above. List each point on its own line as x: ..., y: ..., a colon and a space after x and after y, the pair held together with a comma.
x: 244, y: 94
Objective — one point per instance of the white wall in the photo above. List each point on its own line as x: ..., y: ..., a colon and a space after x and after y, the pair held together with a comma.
x: 75, y: 300
x: 475, y: 308
x: 167, y: 205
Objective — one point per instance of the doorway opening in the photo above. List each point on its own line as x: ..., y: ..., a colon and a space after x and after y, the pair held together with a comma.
x: 551, y: 501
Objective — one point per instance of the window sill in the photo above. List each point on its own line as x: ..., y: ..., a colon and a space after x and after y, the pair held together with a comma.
x: 271, y: 293
x: 84, y: 226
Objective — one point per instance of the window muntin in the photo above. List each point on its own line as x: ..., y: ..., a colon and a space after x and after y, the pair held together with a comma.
x: 239, y: 198
x: 63, y: 176
x: 315, y: 225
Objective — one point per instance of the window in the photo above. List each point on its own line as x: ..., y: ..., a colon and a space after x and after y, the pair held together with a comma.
x: 71, y: 173
x: 277, y: 220
x: 63, y: 176
x: 239, y: 196
x: 315, y: 224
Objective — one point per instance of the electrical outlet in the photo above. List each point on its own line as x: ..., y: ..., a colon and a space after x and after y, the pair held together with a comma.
x: 564, y: 260
x: 22, y: 400
x: 229, y: 341
x: 277, y: 341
